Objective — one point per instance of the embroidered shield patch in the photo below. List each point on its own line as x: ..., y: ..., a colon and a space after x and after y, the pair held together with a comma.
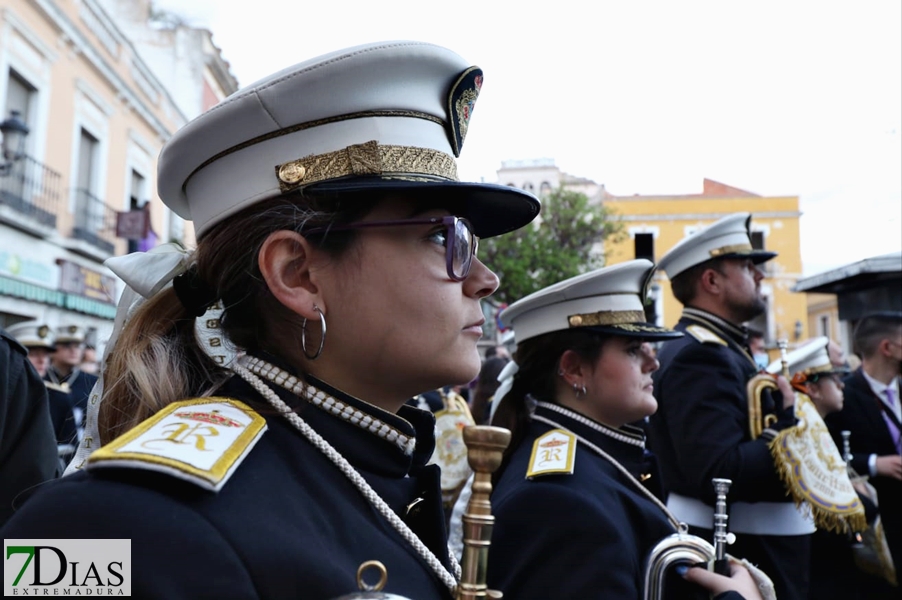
x: 461, y: 100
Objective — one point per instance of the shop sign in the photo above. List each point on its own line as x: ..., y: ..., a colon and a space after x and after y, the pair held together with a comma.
x: 85, y: 282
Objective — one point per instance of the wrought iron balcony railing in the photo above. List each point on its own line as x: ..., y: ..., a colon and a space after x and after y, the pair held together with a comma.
x: 95, y: 222
x: 32, y: 190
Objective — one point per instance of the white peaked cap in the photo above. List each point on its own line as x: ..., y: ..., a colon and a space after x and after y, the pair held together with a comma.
x: 609, y: 300
x: 32, y: 334
x: 70, y: 333
x: 390, y: 116
x: 811, y: 358
x: 725, y: 238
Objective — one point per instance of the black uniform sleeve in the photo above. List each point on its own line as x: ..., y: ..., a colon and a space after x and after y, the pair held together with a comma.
x: 707, y: 406
x: 28, y: 454
x: 176, y: 553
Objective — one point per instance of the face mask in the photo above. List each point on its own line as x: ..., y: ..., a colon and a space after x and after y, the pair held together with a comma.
x: 762, y: 360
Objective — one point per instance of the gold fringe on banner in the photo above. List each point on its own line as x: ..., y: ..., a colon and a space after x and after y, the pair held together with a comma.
x: 814, y: 472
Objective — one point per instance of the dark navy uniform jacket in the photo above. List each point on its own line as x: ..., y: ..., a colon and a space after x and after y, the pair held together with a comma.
x: 288, y: 524
x: 27, y: 451
x: 68, y: 410
x: 581, y: 535
x: 701, y: 428
x: 863, y: 415
x: 701, y: 431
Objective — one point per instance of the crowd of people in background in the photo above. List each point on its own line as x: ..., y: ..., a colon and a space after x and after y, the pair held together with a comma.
x: 66, y: 364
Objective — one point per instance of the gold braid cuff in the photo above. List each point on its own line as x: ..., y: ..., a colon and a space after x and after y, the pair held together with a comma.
x: 369, y: 158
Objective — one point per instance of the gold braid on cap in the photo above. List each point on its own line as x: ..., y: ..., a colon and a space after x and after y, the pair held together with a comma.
x: 370, y: 158
x: 607, y: 317
x: 735, y: 248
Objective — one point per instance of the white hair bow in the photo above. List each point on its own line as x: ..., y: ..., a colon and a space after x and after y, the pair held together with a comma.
x: 506, y: 378
x: 145, y: 274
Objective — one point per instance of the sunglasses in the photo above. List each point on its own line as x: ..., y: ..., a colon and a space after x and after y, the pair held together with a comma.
x: 460, y: 241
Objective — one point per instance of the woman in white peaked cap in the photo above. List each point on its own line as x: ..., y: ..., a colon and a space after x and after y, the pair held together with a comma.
x: 253, y: 437
x: 577, y: 500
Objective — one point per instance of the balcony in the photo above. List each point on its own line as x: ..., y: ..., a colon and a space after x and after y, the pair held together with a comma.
x: 30, y: 197
x: 95, y: 226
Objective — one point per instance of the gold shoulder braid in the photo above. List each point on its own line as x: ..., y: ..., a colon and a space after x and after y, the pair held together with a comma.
x: 814, y: 472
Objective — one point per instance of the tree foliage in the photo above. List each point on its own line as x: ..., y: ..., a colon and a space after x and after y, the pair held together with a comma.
x: 564, y: 241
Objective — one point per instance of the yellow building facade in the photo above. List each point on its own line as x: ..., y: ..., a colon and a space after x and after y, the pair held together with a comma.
x: 654, y: 224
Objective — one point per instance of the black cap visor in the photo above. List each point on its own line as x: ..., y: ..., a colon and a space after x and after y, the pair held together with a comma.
x: 640, y: 330
x: 492, y: 209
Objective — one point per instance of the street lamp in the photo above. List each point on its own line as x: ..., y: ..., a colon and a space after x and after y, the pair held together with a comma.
x: 14, y: 134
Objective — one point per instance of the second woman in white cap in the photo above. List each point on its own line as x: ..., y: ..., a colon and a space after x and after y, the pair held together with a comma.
x: 576, y: 502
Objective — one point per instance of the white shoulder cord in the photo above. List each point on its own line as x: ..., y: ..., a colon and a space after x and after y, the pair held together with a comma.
x: 356, y: 478
x: 681, y: 527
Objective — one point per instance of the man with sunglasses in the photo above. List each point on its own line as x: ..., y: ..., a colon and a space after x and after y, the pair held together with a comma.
x: 871, y: 413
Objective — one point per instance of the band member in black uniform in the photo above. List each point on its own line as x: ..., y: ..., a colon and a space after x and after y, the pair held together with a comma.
x: 67, y: 382
x: 27, y: 451
x: 38, y: 340
x: 701, y: 429
x: 574, y: 517
x: 817, y: 368
x: 873, y: 421
x: 336, y: 258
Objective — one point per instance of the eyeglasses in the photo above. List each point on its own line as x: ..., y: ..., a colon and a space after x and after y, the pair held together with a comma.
x: 460, y: 241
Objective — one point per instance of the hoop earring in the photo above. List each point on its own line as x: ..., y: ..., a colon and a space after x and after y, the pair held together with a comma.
x: 322, y: 339
x: 579, y: 390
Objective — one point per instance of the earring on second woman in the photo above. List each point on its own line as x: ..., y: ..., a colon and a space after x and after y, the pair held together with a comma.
x: 322, y: 339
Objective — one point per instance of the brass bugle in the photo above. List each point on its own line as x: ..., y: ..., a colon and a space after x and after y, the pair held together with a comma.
x: 485, y: 448
x: 678, y: 549
x: 722, y: 536
x: 686, y: 549
x: 755, y: 387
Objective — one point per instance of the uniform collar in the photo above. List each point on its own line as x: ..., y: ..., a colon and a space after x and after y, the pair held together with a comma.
x: 368, y: 444
x: 738, y: 333
x: 53, y: 375
x: 625, y: 444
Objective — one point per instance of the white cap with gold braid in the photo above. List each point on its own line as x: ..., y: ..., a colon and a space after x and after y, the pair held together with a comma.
x: 608, y: 300
x: 726, y: 238
x: 388, y: 116
x: 808, y: 360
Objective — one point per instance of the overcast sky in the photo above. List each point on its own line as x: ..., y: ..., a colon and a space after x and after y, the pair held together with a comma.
x: 781, y: 98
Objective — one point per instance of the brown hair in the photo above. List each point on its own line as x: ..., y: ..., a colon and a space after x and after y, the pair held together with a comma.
x: 685, y: 285
x: 157, y: 360
x: 486, y: 385
x: 538, y: 360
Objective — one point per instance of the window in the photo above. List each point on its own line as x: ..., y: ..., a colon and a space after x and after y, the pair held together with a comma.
x: 87, y: 161
x: 19, y: 97
x: 757, y: 238
x: 825, y: 325
x: 88, y: 208
x: 544, y: 189
x: 645, y: 246
x: 136, y: 199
